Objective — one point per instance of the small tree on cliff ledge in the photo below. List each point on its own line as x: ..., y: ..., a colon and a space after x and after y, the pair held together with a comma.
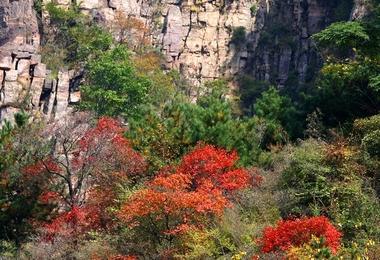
x: 112, y: 85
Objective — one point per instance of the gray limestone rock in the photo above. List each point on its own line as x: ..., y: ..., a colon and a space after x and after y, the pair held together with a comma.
x: 13, y: 92
x: 48, y: 84
x: 194, y: 35
x: 23, y: 68
x: 172, y: 40
x: 62, y: 95
x: 19, y: 25
x: 23, y: 55
x: 284, y: 64
x: 74, y: 98
x: 35, y: 91
x: 5, y: 60
x: 11, y: 76
x: 40, y: 70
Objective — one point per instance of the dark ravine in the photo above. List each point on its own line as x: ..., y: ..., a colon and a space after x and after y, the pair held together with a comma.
x: 194, y: 35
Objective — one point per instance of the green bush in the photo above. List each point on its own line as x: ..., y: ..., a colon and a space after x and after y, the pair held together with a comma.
x: 239, y: 36
x: 253, y: 10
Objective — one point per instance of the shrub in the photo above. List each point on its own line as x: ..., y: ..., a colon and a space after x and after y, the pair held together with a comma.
x: 296, y: 232
x: 238, y: 36
x: 253, y: 10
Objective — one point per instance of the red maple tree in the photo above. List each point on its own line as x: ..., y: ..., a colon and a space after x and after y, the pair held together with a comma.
x: 172, y: 206
x: 185, y: 197
x: 90, y: 166
x: 296, y: 232
x: 208, y: 163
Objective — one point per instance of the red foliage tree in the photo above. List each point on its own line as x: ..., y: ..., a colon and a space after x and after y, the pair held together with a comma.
x: 105, y: 149
x: 208, y: 163
x: 172, y: 207
x: 67, y: 225
x: 185, y: 197
x: 91, y: 163
x: 23, y: 201
x: 37, y: 175
x: 106, y: 155
x: 298, y: 232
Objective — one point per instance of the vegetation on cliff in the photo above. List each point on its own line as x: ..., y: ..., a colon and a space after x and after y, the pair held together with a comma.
x: 141, y: 172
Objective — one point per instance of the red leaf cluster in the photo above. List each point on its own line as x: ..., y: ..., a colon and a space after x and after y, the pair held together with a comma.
x: 48, y: 196
x: 208, y: 163
x: 46, y: 166
x: 69, y: 224
x: 105, y: 149
x: 186, y: 197
x: 36, y: 177
x: 297, y: 232
x: 170, y: 197
x: 98, y: 162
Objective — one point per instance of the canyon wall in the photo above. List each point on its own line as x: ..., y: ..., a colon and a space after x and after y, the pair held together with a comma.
x: 196, y: 36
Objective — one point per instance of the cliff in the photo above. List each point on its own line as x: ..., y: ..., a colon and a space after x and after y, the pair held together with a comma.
x: 195, y: 35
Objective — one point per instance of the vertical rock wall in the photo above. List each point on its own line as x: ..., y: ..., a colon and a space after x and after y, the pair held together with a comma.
x: 284, y: 55
x: 195, y: 36
x: 19, y: 61
x: 26, y: 83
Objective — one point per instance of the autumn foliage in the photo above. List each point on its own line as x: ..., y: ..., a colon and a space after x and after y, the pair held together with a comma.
x: 172, y: 207
x: 186, y: 197
x: 299, y: 231
x: 105, y: 149
x: 98, y: 163
x: 208, y: 163
x: 131, y: 31
x: 68, y: 225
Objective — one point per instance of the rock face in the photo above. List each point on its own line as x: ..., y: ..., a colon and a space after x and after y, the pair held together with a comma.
x: 25, y: 83
x: 284, y: 55
x: 19, y: 40
x: 18, y: 25
x: 195, y: 35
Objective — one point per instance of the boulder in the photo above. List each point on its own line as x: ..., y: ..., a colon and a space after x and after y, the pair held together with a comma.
x: 35, y: 59
x: 48, y: 84
x: 74, y: 98
x: 35, y: 91
x: 23, y: 55
x: 89, y: 4
x: 12, y: 92
x: 62, y: 95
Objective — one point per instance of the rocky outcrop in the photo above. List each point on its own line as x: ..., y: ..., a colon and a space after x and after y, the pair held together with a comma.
x: 284, y: 55
x: 195, y: 36
x: 26, y: 83
x: 19, y: 41
x: 18, y: 25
